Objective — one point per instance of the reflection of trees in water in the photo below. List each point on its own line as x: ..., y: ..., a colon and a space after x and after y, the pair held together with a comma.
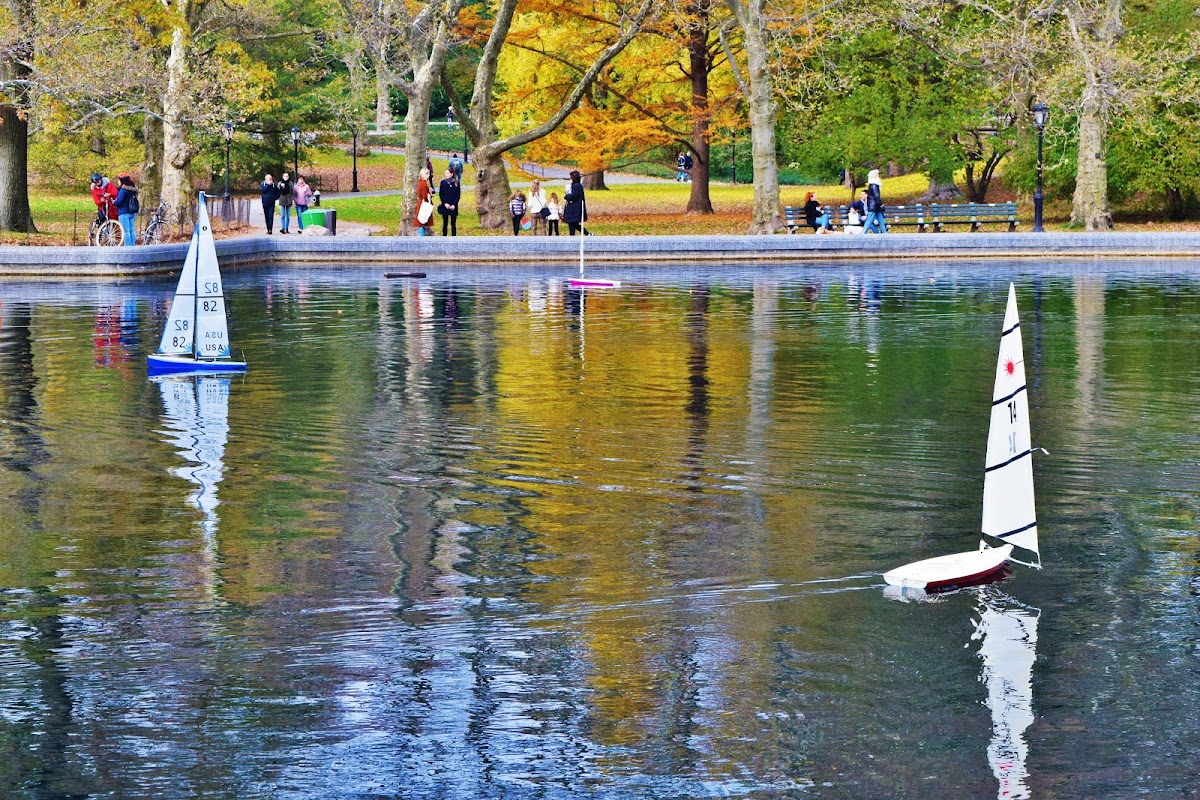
x: 22, y: 446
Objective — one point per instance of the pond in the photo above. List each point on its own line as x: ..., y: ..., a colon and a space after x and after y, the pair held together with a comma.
x: 484, y: 536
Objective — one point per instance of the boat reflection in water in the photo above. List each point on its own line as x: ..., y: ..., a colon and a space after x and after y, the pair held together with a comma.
x: 1007, y: 634
x: 196, y: 414
x: 1007, y: 631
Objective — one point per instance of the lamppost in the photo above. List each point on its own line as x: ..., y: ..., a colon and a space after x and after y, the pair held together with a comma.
x: 228, y: 139
x: 354, y: 173
x: 296, y: 151
x: 1040, y: 115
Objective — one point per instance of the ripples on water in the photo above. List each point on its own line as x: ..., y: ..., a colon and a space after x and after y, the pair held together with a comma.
x: 484, y: 536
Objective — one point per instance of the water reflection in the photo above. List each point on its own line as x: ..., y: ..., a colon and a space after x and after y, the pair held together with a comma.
x: 1007, y: 632
x: 196, y: 414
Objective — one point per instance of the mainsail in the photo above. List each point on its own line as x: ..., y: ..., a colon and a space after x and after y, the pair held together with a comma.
x: 212, y: 333
x: 1008, y: 508
x: 181, y: 323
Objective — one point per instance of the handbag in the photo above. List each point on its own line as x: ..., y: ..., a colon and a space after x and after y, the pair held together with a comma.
x: 526, y: 224
x: 545, y: 212
x: 424, y: 212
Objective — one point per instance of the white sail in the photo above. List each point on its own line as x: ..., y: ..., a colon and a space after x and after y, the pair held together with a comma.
x: 1008, y: 509
x: 212, y: 330
x: 181, y: 322
x: 1008, y: 649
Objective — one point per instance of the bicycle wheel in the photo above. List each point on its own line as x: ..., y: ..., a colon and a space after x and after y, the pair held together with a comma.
x: 154, y: 233
x: 110, y: 234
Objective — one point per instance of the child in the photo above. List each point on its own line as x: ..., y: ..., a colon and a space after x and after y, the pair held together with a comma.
x: 516, y: 207
x: 555, y: 212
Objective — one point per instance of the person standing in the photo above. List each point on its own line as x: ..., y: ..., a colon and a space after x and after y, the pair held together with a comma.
x: 450, y: 193
x: 104, y: 193
x: 574, y: 213
x: 303, y: 195
x: 537, y: 203
x: 687, y: 167
x: 516, y: 207
x: 127, y: 206
x: 679, y: 162
x: 874, y: 221
x: 555, y: 213
x: 287, y: 188
x: 269, y: 191
x: 456, y: 166
x: 424, y: 193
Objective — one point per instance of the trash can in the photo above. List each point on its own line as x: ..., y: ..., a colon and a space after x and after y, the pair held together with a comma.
x: 312, y: 217
x: 330, y: 220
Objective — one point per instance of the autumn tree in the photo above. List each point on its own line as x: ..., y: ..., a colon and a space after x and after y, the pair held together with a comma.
x: 488, y: 146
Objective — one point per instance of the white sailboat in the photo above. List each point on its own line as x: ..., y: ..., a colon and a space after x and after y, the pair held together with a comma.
x: 1009, y: 519
x: 196, y: 338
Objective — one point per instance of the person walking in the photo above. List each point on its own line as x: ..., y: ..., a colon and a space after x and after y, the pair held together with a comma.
x: 127, y: 206
x: 423, y: 214
x: 874, y: 223
x: 268, y: 190
x: 450, y: 193
x: 516, y: 207
x: 680, y: 175
x: 574, y: 213
x: 287, y: 197
x: 303, y: 195
x: 456, y: 166
x: 555, y: 214
x: 537, y: 205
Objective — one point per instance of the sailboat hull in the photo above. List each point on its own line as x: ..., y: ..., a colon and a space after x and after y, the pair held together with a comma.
x: 948, y: 572
x: 165, y: 364
x: 596, y: 283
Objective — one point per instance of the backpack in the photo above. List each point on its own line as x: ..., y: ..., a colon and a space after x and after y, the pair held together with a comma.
x: 133, y: 204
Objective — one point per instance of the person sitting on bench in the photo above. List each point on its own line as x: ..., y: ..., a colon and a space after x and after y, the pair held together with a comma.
x: 816, y: 215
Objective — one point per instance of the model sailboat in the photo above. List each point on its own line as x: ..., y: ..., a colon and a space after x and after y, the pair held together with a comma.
x: 1009, y: 520
x: 584, y: 282
x: 196, y: 338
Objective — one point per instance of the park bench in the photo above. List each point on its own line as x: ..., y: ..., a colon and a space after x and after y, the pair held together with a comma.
x: 974, y: 214
x: 793, y: 217
x: 906, y: 215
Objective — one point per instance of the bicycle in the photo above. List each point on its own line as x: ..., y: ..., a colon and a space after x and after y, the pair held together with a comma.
x: 105, y: 232
x: 156, y: 228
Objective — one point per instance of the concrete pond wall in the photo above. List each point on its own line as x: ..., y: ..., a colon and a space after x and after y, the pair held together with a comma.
x: 412, y: 252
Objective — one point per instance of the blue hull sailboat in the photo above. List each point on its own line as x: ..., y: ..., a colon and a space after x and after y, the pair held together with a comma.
x: 196, y: 338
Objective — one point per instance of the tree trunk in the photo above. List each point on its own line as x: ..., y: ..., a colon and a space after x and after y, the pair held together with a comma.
x: 752, y: 18
x: 416, y: 150
x: 699, y: 202
x: 1090, y: 207
x: 383, y: 101
x: 177, y: 188
x: 939, y: 192
x: 594, y: 180
x: 14, y: 127
x: 152, y: 144
x: 492, y: 189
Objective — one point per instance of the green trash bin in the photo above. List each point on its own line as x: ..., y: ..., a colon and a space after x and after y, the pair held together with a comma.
x: 312, y: 217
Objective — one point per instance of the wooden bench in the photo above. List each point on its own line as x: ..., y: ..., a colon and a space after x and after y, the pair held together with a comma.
x: 974, y: 214
x: 906, y: 215
x: 793, y: 217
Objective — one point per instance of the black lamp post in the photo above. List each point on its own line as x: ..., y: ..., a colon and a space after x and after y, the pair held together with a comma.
x: 354, y: 173
x: 296, y: 151
x: 228, y: 139
x: 1040, y: 115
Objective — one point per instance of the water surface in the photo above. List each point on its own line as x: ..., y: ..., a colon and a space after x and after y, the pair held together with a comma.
x: 484, y: 536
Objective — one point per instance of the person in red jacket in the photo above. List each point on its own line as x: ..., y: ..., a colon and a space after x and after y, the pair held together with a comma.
x: 104, y: 195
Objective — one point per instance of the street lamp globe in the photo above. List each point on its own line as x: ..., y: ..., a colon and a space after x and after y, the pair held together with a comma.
x: 295, y: 136
x: 1041, y: 116
x: 228, y: 130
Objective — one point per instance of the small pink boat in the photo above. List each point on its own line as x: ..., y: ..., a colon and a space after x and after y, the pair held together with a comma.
x: 594, y: 283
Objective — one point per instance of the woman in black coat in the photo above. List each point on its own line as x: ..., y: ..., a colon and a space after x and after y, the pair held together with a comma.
x: 450, y: 193
x: 575, y: 212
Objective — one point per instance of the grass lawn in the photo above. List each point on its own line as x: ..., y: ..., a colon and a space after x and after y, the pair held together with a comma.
x: 377, y: 172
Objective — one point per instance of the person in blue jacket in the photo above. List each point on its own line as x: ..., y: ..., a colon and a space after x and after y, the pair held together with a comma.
x: 127, y: 207
x: 269, y: 191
